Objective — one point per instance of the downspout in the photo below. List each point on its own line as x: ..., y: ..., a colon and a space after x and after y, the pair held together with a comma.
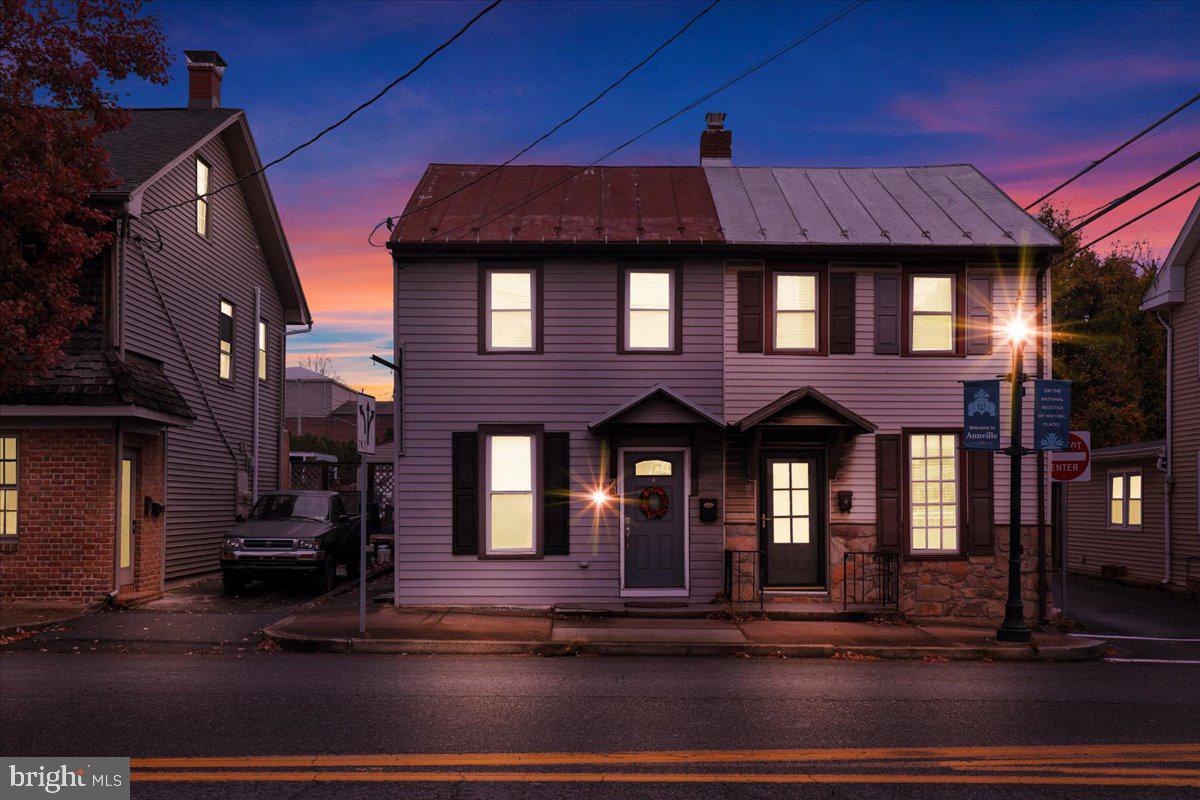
x: 1166, y: 462
x: 258, y: 353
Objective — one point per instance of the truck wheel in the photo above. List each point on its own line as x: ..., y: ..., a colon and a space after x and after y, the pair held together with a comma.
x: 324, y: 578
x: 232, y: 582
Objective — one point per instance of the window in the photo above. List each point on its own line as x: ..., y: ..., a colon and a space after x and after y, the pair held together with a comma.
x: 1125, y: 500
x: 225, y: 334
x: 795, y: 310
x: 932, y: 328
x: 933, y: 492
x: 8, y: 486
x: 649, y: 310
x: 509, y: 477
x: 202, y: 174
x: 510, y: 317
x: 262, y: 349
x: 652, y: 466
x: 791, y: 503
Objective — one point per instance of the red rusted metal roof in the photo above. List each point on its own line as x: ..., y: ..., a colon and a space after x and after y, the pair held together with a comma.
x: 560, y: 204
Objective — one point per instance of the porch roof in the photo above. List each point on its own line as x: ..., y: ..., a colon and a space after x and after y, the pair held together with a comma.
x: 649, y: 406
x: 829, y: 413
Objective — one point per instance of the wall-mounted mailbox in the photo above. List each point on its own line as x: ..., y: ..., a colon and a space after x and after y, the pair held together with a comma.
x: 845, y: 500
x: 708, y: 509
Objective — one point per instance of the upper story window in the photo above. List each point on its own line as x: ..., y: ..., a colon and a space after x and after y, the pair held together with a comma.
x: 650, y: 310
x: 202, y: 176
x: 511, y: 484
x: 794, y: 315
x: 225, y: 335
x: 8, y: 486
x: 510, y: 310
x: 1125, y: 500
x: 932, y: 321
x: 933, y: 492
x: 262, y: 349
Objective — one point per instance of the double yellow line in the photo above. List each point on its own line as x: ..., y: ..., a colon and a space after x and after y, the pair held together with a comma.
x: 1099, y: 764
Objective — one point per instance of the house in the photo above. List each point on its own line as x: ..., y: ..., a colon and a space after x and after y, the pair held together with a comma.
x: 319, y: 405
x: 124, y: 464
x: 648, y: 383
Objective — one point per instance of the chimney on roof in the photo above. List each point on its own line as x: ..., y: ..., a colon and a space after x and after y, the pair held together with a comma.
x: 205, y: 70
x: 716, y: 143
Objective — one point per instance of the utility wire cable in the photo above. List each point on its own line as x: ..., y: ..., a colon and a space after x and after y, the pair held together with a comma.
x: 477, y: 224
x: 390, y: 221
x: 424, y: 60
x: 1132, y: 193
x: 1112, y: 152
x: 1142, y: 215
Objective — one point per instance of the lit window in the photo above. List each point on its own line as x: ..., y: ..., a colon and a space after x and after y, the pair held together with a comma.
x: 510, y: 504
x: 933, y: 490
x: 262, y: 349
x: 652, y: 466
x: 202, y: 173
x: 1125, y: 500
x: 225, y: 334
x: 791, y: 503
x: 648, y: 315
x: 932, y: 314
x: 8, y: 486
x: 795, y: 311
x: 510, y: 310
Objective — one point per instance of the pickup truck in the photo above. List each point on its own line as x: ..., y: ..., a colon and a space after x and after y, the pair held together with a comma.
x: 290, y: 531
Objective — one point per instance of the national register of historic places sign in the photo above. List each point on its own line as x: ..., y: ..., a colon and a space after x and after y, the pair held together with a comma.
x: 1051, y: 415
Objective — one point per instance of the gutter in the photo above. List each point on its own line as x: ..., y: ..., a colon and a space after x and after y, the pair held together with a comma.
x: 1165, y: 462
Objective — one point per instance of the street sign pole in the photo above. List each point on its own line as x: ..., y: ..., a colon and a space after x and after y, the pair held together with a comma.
x: 1014, y: 629
x: 362, y: 543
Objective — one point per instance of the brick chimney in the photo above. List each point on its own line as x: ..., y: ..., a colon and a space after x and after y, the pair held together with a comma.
x: 205, y: 69
x: 716, y: 143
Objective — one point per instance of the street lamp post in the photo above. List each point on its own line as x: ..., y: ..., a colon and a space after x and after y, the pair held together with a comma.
x: 1014, y: 629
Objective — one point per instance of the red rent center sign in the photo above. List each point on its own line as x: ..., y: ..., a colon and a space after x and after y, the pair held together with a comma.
x: 1074, y: 464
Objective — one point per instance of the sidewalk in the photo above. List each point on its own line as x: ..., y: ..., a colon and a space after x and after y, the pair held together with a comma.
x: 333, y: 627
x: 16, y: 618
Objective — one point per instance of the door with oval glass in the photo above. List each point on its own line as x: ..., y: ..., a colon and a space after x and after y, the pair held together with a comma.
x: 793, y: 520
x: 654, y: 508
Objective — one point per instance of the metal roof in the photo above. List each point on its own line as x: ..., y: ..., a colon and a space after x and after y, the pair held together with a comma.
x: 599, y: 204
x: 951, y: 205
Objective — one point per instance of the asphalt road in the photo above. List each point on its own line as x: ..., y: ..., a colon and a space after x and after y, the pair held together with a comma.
x: 1140, y: 624
x: 386, y: 715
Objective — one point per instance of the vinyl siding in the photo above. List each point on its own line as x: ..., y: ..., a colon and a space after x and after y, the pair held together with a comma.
x: 1185, y: 436
x: 194, y: 274
x: 1091, y: 543
x: 579, y: 378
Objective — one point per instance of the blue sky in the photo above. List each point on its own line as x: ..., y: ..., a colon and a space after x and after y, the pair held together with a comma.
x: 1029, y: 92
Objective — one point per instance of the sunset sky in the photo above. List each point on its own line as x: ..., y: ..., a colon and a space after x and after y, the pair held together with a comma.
x: 1028, y: 92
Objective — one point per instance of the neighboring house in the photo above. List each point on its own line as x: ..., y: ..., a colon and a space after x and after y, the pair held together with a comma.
x: 753, y: 361
x: 319, y: 405
x: 1174, y: 298
x: 1115, y: 521
x: 124, y: 464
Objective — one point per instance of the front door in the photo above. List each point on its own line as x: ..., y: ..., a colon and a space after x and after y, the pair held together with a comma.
x: 127, y: 529
x: 654, y: 509
x: 794, y: 521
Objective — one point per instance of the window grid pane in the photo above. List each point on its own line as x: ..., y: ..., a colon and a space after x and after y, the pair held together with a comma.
x: 8, y: 486
x: 649, y: 310
x: 791, y: 502
x: 650, y: 290
x: 933, y: 492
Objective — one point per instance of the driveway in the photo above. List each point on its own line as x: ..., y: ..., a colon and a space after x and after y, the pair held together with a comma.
x: 1140, y: 623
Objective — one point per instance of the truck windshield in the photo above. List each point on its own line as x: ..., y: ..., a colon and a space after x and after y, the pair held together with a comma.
x: 291, y: 506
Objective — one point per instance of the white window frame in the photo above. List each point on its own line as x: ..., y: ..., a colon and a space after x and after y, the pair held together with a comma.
x: 913, y: 313
x: 7, y: 489
x: 261, y: 349
x: 671, y: 309
x: 776, y: 310
x: 1124, y: 475
x: 534, y: 493
x: 534, y: 302
x: 203, y: 207
x: 958, y: 496
x: 221, y: 354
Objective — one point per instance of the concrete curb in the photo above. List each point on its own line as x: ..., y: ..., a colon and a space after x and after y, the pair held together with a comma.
x: 58, y: 619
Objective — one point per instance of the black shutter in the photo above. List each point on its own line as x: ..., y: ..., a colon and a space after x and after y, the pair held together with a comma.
x: 556, y: 500
x: 841, y: 312
x: 887, y: 314
x: 465, y: 492
x: 750, y: 311
x: 889, y: 494
x: 981, y: 503
x: 979, y: 314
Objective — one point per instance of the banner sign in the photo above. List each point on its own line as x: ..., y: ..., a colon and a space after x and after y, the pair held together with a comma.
x: 1051, y: 415
x: 1074, y: 463
x: 366, y: 424
x: 981, y: 415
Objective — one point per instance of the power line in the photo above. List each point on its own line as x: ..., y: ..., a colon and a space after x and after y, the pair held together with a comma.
x: 1113, y: 204
x: 488, y: 173
x: 427, y: 57
x: 1145, y: 213
x: 722, y: 87
x: 1113, y: 152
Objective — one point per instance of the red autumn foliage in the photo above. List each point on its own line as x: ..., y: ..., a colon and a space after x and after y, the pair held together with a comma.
x: 53, y: 111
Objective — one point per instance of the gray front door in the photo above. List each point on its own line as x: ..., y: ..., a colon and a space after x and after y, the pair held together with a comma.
x: 655, y: 506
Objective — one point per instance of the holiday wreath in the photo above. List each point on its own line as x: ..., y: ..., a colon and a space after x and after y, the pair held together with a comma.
x: 659, y: 507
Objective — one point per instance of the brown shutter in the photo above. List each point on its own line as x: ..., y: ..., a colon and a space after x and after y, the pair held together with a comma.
x: 980, y: 503
x: 750, y: 311
x: 887, y: 313
x: 556, y: 487
x: 465, y: 493
x: 889, y: 494
x: 841, y: 312
x: 979, y: 314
